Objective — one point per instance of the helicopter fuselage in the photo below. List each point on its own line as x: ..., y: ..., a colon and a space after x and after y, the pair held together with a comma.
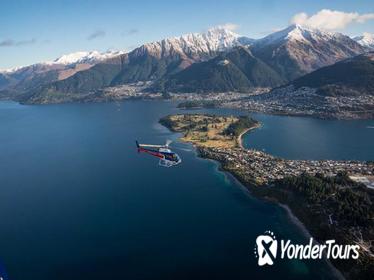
x: 167, y: 157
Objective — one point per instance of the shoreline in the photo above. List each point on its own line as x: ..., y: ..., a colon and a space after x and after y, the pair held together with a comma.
x: 240, y: 136
x: 257, y: 172
x: 295, y: 220
x: 291, y: 216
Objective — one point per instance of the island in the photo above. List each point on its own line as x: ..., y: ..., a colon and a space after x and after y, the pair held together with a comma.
x: 325, y: 195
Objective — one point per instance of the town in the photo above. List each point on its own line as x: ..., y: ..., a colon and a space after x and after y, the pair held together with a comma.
x: 306, y: 101
x: 219, y: 138
x: 261, y: 168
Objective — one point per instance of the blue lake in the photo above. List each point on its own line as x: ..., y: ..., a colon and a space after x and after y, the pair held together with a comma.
x: 78, y: 202
x: 309, y: 138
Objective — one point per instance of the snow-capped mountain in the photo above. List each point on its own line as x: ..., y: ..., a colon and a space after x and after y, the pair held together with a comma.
x: 214, y: 40
x: 157, y: 59
x: 299, y: 33
x: 366, y: 40
x: 83, y: 57
x: 80, y: 57
x: 297, y: 50
x: 21, y: 78
x: 150, y: 61
x: 146, y: 62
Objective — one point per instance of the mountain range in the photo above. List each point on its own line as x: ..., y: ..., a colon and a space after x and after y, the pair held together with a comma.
x: 217, y: 60
x: 25, y: 78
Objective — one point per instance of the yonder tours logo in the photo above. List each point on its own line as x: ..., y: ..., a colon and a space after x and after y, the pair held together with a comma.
x: 268, y: 249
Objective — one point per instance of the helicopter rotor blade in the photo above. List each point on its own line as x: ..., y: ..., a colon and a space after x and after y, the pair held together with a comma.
x: 168, y: 142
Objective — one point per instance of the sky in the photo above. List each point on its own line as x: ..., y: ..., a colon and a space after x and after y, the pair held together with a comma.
x: 40, y: 30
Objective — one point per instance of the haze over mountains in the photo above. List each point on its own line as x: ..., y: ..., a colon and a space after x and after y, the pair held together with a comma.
x: 218, y: 60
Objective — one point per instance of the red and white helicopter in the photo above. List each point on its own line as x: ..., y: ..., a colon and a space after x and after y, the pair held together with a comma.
x: 167, y: 157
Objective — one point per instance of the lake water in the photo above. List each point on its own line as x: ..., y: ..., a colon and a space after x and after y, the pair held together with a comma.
x: 309, y: 138
x: 78, y: 202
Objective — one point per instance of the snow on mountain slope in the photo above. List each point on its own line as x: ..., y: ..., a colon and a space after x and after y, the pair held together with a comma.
x: 297, y: 50
x: 214, y: 40
x: 299, y: 33
x: 149, y: 61
x: 192, y: 44
x: 154, y: 60
x: 85, y: 57
x: 23, y: 78
x: 80, y: 57
x: 366, y: 40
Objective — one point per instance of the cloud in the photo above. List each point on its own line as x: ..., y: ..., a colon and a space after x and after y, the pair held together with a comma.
x: 230, y: 26
x: 14, y: 43
x: 132, y: 31
x: 96, y: 34
x: 330, y: 20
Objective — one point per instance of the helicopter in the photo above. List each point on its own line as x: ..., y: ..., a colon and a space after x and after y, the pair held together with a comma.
x: 167, y: 157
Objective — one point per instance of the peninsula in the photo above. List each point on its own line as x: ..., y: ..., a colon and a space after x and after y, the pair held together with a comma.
x: 333, y: 205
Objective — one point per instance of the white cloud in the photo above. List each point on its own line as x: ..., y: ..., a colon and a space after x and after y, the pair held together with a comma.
x: 230, y: 26
x: 330, y: 20
x: 299, y: 18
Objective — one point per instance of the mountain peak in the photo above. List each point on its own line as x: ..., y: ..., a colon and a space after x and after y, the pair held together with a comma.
x: 304, y: 48
x: 221, y: 31
x: 72, y: 57
x: 366, y: 40
x: 297, y: 32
